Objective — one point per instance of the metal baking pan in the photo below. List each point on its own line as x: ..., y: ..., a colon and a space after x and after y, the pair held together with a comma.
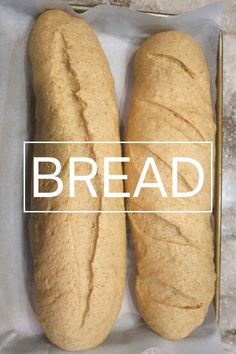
x: 218, y: 162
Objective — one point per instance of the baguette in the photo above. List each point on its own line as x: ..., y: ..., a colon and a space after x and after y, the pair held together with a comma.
x: 79, y: 259
x: 171, y: 101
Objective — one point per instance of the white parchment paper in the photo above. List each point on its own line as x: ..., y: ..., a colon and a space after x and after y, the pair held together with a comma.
x: 120, y: 32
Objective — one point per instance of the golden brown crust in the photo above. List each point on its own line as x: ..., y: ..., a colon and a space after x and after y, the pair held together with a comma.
x: 79, y: 259
x: 174, y: 252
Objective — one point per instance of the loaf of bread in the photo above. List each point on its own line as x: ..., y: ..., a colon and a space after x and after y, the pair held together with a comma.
x: 174, y: 251
x: 79, y: 258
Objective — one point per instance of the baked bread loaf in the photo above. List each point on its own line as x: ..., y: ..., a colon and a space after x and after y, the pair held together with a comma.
x: 174, y: 252
x: 79, y: 259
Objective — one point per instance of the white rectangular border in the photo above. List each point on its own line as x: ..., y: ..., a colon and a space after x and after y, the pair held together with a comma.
x: 117, y: 211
